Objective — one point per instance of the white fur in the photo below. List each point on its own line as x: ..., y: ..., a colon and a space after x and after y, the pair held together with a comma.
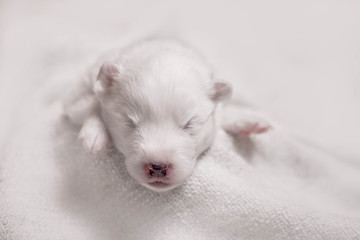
x: 141, y: 101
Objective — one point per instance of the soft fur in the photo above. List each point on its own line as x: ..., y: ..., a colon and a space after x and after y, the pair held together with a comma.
x: 155, y: 101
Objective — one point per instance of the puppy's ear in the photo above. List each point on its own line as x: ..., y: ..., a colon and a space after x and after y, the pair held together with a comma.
x: 108, y: 75
x: 220, y: 91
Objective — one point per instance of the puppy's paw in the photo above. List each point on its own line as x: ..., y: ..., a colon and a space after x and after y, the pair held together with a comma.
x: 94, y: 137
x: 246, y: 126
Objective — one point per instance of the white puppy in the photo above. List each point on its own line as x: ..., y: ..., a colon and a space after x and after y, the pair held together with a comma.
x: 155, y: 101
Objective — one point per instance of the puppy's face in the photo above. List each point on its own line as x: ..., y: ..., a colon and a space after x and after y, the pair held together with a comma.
x: 160, y: 122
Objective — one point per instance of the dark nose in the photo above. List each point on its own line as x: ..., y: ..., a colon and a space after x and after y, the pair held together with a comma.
x: 158, y: 167
x: 157, y: 170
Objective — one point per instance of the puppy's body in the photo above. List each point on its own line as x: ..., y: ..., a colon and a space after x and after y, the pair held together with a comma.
x: 155, y: 102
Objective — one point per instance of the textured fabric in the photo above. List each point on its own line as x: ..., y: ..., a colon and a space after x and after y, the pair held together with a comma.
x: 273, y: 186
x: 298, y: 58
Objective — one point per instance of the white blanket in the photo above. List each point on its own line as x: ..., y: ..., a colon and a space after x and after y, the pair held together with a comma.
x: 272, y: 186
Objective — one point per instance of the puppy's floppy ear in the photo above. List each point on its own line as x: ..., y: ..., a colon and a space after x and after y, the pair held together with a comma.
x: 220, y: 91
x: 108, y: 74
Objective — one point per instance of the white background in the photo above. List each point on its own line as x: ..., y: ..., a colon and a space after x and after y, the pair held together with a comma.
x: 298, y: 60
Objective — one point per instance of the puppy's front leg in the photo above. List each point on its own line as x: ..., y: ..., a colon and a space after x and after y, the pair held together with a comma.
x: 94, y: 136
x: 243, y: 122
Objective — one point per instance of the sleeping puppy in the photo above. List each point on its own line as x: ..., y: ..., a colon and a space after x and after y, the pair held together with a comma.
x: 155, y: 101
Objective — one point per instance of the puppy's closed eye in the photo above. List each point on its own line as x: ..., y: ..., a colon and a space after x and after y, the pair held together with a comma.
x: 195, y: 123
x: 191, y: 125
x: 130, y: 122
x: 188, y: 125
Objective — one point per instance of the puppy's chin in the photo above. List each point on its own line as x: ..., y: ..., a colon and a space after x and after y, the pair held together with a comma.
x: 160, y: 186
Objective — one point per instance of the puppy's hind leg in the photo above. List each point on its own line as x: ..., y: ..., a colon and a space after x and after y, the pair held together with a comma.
x: 243, y: 122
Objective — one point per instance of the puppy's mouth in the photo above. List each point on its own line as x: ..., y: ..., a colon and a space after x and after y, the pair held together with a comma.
x: 159, y: 183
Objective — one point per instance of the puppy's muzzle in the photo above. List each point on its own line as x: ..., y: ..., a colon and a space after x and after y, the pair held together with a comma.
x: 157, y: 170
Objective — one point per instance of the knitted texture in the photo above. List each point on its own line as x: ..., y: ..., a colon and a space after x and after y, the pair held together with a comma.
x: 272, y: 186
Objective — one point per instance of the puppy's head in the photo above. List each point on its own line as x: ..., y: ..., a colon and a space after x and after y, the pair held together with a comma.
x: 161, y: 117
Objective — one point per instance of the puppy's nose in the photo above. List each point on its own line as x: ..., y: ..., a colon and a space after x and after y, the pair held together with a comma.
x: 157, y: 170
x: 159, y: 167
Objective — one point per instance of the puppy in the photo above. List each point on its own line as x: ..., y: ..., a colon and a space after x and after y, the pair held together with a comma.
x: 155, y: 101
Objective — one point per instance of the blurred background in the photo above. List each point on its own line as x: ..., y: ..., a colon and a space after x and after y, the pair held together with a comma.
x: 299, y: 61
